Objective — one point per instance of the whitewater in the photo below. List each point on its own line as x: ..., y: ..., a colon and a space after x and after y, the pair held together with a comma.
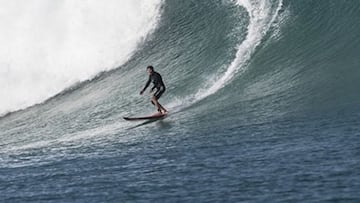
x: 262, y: 94
x: 50, y: 46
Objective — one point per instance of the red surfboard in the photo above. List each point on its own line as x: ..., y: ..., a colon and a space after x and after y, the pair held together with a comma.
x: 152, y: 117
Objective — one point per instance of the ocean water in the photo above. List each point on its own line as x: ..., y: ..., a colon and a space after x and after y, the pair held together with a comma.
x: 263, y: 98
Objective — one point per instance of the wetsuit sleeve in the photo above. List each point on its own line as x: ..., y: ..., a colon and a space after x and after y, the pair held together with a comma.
x: 147, y: 84
x: 152, y: 89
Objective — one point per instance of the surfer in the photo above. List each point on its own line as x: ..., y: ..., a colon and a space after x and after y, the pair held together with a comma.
x: 159, y: 88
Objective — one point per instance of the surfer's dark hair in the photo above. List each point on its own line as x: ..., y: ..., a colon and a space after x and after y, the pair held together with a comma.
x: 150, y: 67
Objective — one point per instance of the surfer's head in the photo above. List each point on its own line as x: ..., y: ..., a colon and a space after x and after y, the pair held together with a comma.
x: 150, y: 69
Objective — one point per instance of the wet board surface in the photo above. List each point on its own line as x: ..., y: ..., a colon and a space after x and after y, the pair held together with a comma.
x: 151, y: 117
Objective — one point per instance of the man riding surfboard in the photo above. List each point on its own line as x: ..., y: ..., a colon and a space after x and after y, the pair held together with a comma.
x: 159, y: 88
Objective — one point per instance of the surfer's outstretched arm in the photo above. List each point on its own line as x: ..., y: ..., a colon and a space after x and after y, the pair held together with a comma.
x: 146, y: 86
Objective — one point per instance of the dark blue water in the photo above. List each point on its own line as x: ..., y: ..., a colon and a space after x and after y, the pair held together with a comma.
x: 264, y: 107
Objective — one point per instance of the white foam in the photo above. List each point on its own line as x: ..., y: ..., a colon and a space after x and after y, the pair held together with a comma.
x: 261, y: 19
x: 47, y: 46
x: 262, y: 16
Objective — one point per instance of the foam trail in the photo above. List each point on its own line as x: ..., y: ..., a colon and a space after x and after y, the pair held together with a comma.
x: 47, y: 46
x: 261, y: 19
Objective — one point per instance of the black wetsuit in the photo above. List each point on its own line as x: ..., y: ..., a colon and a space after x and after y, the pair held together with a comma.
x: 159, y: 85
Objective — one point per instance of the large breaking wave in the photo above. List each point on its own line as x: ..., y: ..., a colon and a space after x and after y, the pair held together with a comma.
x: 47, y: 46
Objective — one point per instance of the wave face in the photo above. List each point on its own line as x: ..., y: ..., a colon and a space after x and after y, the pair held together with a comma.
x: 263, y: 100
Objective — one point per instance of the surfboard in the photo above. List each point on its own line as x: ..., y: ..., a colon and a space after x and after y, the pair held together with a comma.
x: 151, y: 117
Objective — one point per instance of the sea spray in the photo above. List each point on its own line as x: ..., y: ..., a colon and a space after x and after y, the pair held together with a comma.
x: 47, y: 46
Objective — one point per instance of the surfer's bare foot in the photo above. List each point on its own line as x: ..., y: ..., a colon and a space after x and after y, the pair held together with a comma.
x: 164, y: 112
